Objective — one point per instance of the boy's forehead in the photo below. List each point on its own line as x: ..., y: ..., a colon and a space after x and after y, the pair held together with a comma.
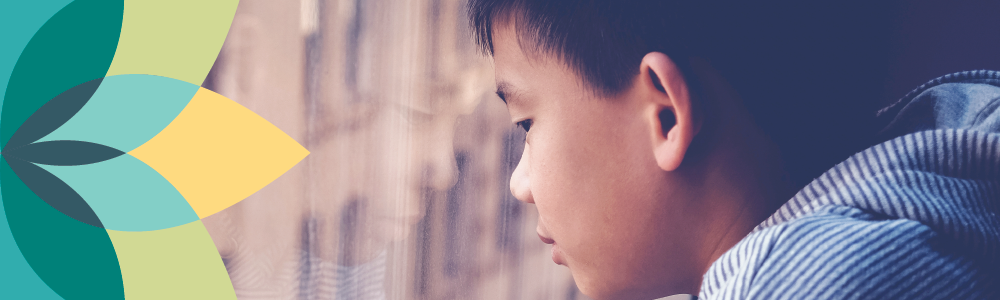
x: 511, y: 46
x: 518, y: 70
x: 507, y: 59
x: 521, y: 68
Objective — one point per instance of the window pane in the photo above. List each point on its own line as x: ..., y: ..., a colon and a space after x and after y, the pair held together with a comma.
x: 404, y: 194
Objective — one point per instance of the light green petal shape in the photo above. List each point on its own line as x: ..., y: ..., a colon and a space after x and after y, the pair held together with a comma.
x: 126, y: 111
x: 177, y: 38
x: 126, y: 194
x: 175, y: 263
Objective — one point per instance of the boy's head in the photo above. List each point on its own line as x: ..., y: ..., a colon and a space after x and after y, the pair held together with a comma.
x: 661, y: 132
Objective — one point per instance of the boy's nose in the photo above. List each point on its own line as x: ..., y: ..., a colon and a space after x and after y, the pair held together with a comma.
x: 520, y: 184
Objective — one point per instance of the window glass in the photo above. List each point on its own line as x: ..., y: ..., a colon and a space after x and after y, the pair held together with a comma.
x: 405, y: 193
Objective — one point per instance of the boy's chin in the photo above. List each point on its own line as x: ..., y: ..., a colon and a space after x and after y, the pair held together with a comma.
x: 593, y: 286
x: 601, y: 288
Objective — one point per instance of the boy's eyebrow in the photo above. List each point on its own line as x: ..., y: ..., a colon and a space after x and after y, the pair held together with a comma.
x: 506, y: 91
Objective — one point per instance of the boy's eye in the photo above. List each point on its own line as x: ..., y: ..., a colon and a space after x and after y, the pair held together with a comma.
x: 526, y: 125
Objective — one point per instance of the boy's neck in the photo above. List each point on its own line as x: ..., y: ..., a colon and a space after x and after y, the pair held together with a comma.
x: 744, y: 180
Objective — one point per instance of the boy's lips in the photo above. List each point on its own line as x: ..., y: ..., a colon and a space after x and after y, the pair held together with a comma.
x: 542, y: 234
x: 556, y: 252
x: 545, y: 239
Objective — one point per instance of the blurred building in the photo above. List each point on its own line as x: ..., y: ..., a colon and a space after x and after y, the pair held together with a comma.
x: 404, y: 194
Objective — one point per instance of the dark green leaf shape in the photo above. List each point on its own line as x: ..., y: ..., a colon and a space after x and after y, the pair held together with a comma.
x: 53, y: 114
x: 64, y: 153
x: 76, y: 260
x: 54, y: 191
x: 75, y: 46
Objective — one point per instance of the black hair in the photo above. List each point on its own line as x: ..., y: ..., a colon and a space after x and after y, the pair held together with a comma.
x: 811, y: 74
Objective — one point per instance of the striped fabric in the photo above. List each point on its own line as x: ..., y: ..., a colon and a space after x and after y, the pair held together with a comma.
x: 914, y: 217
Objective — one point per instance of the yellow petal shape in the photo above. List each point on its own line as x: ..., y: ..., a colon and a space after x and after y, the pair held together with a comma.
x: 217, y: 152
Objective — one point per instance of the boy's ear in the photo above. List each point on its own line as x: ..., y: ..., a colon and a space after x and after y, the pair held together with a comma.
x: 670, y: 114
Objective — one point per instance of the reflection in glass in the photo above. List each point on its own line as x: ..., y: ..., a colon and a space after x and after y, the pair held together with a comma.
x: 405, y: 194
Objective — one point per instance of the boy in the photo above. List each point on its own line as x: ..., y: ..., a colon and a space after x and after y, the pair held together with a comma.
x: 664, y: 140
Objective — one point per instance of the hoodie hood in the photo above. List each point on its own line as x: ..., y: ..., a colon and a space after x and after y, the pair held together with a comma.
x: 938, y: 164
x: 913, y: 217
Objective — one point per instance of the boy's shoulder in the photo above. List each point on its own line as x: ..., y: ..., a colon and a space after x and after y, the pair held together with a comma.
x: 840, y: 252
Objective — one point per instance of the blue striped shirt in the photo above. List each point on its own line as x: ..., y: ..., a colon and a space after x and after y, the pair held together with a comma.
x: 914, y: 217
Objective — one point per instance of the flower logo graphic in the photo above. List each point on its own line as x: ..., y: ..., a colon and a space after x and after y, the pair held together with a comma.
x: 113, y: 152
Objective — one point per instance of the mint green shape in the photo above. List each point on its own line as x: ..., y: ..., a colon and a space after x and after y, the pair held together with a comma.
x: 127, y: 194
x: 75, y: 46
x: 178, y: 38
x: 74, y: 259
x: 126, y: 111
x: 19, y: 20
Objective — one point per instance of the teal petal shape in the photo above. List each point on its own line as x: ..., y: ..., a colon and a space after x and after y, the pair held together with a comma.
x: 126, y: 111
x: 53, y: 114
x: 74, y: 259
x: 54, y: 191
x: 75, y: 46
x: 20, y: 20
x: 18, y: 280
x: 126, y: 194
x: 63, y: 153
